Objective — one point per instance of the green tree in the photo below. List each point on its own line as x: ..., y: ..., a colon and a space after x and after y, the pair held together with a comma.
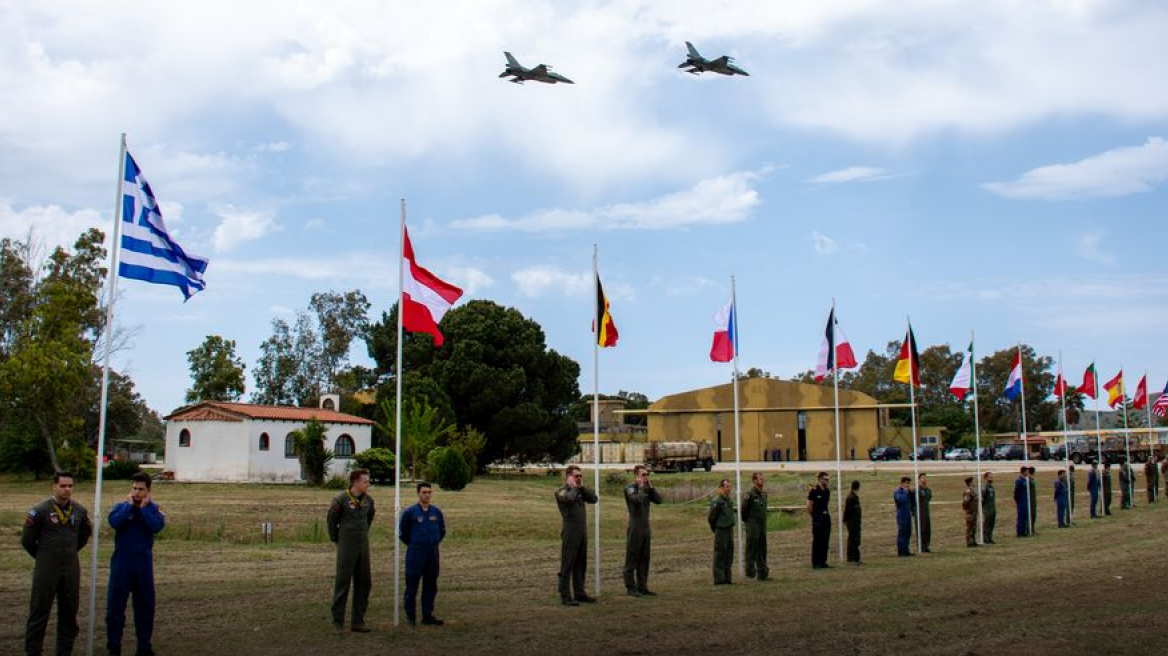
x: 499, y: 374
x: 422, y: 429
x: 125, y: 409
x: 341, y: 318
x: 216, y: 372
x: 1000, y: 415
x: 308, y: 445
x: 276, y: 367
x: 449, y: 469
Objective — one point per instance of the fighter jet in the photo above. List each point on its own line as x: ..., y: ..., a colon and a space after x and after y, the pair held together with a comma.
x: 541, y: 73
x: 697, y: 64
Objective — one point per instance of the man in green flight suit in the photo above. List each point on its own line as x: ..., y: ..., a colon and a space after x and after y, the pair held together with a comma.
x: 754, y: 518
x: 989, y: 508
x: 854, y: 520
x: 722, y: 524
x: 54, y: 531
x: 348, y: 521
x: 638, y: 497
x: 571, y: 498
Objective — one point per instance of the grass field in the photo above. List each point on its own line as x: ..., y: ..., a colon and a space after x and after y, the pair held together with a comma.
x: 1091, y: 589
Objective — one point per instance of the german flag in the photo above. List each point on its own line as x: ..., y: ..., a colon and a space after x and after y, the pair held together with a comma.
x: 908, y: 361
x: 603, y: 325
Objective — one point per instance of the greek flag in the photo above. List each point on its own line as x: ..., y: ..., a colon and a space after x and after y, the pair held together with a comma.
x: 148, y: 252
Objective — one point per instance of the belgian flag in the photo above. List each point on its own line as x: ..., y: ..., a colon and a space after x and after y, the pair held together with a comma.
x: 603, y: 325
x: 909, y: 361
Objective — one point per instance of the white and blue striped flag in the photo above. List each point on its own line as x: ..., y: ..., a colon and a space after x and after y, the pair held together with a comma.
x: 148, y: 253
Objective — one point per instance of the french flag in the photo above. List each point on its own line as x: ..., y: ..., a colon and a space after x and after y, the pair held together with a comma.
x: 425, y: 298
x: 1014, y: 382
x: 725, y: 334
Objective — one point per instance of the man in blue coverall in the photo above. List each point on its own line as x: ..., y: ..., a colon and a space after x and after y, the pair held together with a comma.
x: 903, y: 516
x: 1062, y: 502
x: 422, y: 528
x: 1093, y: 487
x: 135, y: 521
x: 1022, y: 502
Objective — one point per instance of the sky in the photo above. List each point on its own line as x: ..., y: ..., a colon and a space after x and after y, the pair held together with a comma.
x: 989, y: 166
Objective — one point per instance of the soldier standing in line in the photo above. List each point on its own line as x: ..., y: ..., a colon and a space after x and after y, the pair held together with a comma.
x: 54, y: 531
x: 1071, y: 483
x: 1033, y: 501
x: 969, y: 505
x: 135, y: 521
x: 348, y: 522
x: 1107, y: 488
x: 817, y: 506
x: 571, y: 498
x: 422, y: 528
x: 1164, y: 474
x: 853, y: 518
x: 989, y: 507
x: 1152, y: 477
x: 754, y: 518
x: 921, y: 499
x: 1093, y: 488
x: 722, y: 524
x: 639, y: 496
x: 1126, y: 484
x: 903, y: 516
x: 1022, y: 502
x: 1062, y: 506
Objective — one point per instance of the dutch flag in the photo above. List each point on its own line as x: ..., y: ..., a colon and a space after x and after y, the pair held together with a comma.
x: 1014, y: 382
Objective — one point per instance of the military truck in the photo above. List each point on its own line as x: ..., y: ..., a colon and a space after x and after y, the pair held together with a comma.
x: 679, y: 456
x: 1084, y: 449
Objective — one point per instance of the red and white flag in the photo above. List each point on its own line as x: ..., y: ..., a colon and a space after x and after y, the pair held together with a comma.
x: 425, y: 298
x: 1141, y: 398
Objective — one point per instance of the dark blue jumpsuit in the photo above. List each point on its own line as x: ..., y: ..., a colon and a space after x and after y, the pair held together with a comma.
x: 1022, y: 502
x: 1062, y: 503
x: 132, y: 572
x: 421, y: 531
x: 1093, y: 489
x: 903, y: 519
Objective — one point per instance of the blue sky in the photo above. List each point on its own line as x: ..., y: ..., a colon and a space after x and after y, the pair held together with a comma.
x: 997, y: 166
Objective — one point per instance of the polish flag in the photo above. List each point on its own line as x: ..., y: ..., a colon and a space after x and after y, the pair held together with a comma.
x: 725, y: 334
x: 425, y: 298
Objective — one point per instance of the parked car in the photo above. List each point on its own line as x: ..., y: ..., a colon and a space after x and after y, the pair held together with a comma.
x: 1009, y: 452
x: 959, y: 453
x: 925, y: 453
x: 985, y: 453
x: 884, y: 453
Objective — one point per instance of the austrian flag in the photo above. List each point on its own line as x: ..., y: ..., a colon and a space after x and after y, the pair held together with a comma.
x: 425, y: 298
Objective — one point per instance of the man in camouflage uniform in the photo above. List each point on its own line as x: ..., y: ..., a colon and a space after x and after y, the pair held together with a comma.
x: 348, y: 522
x: 54, y: 531
x: 722, y: 524
x: 969, y: 505
x: 639, y: 496
x: 754, y: 518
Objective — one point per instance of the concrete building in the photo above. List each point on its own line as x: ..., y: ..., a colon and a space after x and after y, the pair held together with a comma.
x: 778, y: 420
x: 242, y: 442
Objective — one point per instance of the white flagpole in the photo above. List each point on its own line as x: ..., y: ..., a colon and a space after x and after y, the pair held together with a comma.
x: 111, y: 291
x: 1066, y: 446
x: 839, y: 494
x: 401, y: 281
x: 912, y: 396
x: 596, y: 412
x: 737, y: 438
x: 976, y: 441
x: 1031, y: 500
x: 1131, y: 495
x: 1098, y: 437
x: 1151, y: 433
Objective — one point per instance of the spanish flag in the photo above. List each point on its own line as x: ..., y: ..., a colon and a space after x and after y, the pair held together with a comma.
x: 908, y: 361
x: 1114, y: 389
x: 606, y: 334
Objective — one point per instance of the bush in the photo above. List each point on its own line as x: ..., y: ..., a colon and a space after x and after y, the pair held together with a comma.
x: 337, y: 482
x: 379, y: 462
x: 449, y: 469
x: 119, y: 470
x: 78, y: 459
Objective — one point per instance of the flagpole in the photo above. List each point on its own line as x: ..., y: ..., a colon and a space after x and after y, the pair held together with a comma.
x: 401, y: 281
x: 839, y: 493
x: 1098, y: 434
x: 976, y: 441
x: 1066, y: 446
x: 1151, y: 433
x: 1131, y: 496
x: 111, y: 291
x: 1031, y: 500
x: 737, y: 437
x: 596, y: 412
x: 912, y: 396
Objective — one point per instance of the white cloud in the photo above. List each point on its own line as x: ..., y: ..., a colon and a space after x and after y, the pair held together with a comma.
x: 1117, y: 172
x: 318, y: 225
x: 851, y: 174
x: 538, y: 281
x: 50, y: 225
x: 281, y: 310
x: 273, y: 147
x: 725, y: 199
x: 1089, y: 246
x: 239, y: 226
x: 470, y: 279
x: 823, y: 244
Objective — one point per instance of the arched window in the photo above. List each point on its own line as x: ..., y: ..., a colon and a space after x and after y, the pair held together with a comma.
x: 265, y: 442
x: 344, y: 447
x: 289, y: 450
x: 328, y: 405
x: 184, y: 438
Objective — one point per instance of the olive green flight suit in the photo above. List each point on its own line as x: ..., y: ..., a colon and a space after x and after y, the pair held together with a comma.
x: 854, y: 520
x: 348, y: 520
x: 722, y: 524
x: 989, y: 512
x: 573, y: 540
x: 53, y: 535
x: 638, y: 537
x: 754, y: 519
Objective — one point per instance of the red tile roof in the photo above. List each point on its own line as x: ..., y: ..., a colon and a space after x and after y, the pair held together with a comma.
x: 224, y: 411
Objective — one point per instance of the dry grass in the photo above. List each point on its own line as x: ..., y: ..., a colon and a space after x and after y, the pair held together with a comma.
x: 1084, y: 590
